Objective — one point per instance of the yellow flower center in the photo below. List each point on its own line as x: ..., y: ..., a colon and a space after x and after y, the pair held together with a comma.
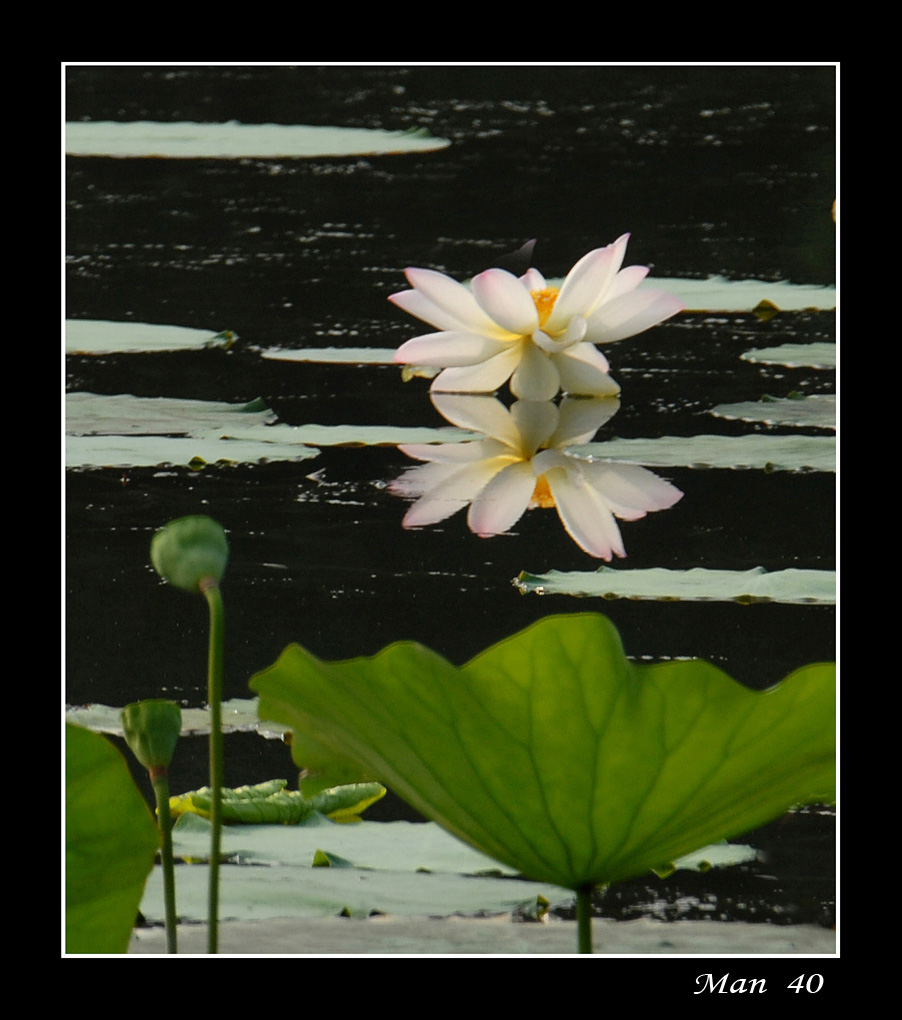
x: 542, y: 494
x: 544, y: 301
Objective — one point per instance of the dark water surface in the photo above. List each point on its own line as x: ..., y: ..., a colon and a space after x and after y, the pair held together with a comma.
x: 724, y: 171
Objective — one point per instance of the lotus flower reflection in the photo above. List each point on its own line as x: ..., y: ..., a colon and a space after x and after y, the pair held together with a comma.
x: 541, y: 338
x: 521, y: 464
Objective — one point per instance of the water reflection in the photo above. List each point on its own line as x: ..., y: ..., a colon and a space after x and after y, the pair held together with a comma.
x: 521, y: 464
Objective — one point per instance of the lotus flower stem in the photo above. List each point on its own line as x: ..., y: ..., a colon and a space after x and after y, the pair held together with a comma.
x: 584, y: 917
x: 160, y: 780
x: 210, y: 589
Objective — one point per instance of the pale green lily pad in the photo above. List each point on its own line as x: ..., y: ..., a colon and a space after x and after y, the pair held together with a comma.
x: 815, y: 411
x: 121, y: 414
x: 556, y: 755
x: 817, y: 355
x: 239, y: 715
x: 770, y: 453
x: 402, y: 868
x: 233, y: 140
x: 127, y: 431
x: 802, y: 587
x: 374, y: 435
x: 96, y: 336
x: 718, y: 294
x: 254, y: 894
x: 333, y: 355
x: 160, y: 451
x: 382, y: 846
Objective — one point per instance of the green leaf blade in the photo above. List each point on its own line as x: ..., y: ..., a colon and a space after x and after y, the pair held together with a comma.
x: 554, y: 754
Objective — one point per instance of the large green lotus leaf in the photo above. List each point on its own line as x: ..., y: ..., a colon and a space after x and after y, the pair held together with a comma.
x: 553, y: 753
x: 111, y: 841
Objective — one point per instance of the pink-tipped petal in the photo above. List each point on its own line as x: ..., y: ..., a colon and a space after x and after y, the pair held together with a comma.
x: 632, y: 491
x: 586, y: 285
x: 450, y: 298
x: 503, y: 501
x: 448, y: 350
x: 532, y: 279
x: 626, y: 280
x: 630, y: 314
x: 585, y: 515
x: 504, y: 298
x: 452, y: 492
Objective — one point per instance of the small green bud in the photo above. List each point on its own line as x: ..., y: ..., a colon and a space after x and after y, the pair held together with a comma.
x: 188, y: 550
x: 152, y: 730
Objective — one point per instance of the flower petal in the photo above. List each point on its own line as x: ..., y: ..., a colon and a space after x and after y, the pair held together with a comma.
x: 506, y: 300
x: 532, y: 279
x: 632, y: 491
x: 584, y: 514
x: 536, y: 377
x: 630, y: 314
x: 536, y: 421
x: 587, y: 283
x: 581, y: 418
x: 626, y: 280
x: 503, y: 501
x: 448, y: 350
x: 480, y: 413
x: 485, y: 377
x: 450, y: 453
x: 451, y: 492
x: 584, y: 371
x: 440, y: 295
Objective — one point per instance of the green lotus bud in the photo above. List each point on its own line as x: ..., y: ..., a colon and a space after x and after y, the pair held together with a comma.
x: 188, y: 550
x: 152, y: 730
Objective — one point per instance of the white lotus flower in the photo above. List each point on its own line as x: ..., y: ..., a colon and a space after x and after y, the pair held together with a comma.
x: 541, y: 338
x: 521, y: 465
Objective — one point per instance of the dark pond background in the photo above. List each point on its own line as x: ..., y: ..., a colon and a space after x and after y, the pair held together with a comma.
x: 713, y: 170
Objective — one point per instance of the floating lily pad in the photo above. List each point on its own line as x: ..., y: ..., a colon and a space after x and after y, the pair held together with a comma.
x: 771, y: 453
x: 402, y: 868
x: 815, y: 411
x: 127, y: 431
x: 239, y: 715
x: 92, y: 414
x: 253, y: 894
x: 233, y: 140
x: 157, y: 451
x: 333, y: 355
x: 817, y: 355
x: 718, y: 294
x: 93, y: 336
x: 695, y: 585
x: 553, y: 753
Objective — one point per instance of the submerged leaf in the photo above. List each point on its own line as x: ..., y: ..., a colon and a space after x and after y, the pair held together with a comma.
x: 271, y: 803
x: 553, y: 753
